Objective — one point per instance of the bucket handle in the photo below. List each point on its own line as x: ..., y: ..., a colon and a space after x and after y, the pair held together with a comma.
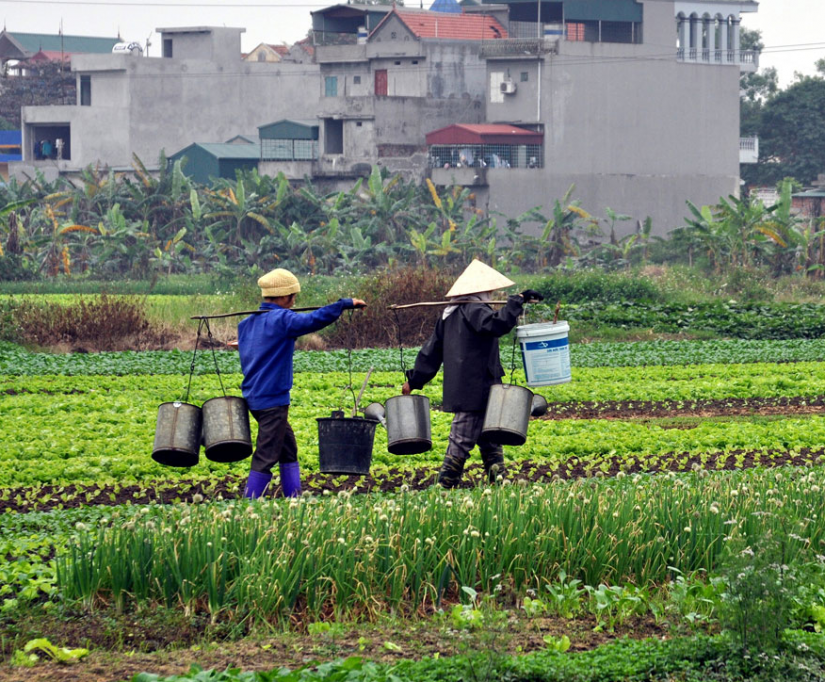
x: 513, y: 362
x: 204, y: 322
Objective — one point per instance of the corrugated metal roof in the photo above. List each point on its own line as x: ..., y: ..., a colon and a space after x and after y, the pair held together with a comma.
x: 586, y: 10
x: 34, y: 42
x: 223, y: 150
x: 452, y: 26
x: 484, y: 133
x: 287, y: 129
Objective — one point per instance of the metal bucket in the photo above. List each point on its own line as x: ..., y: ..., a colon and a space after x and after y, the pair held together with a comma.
x: 226, y: 434
x: 408, y: 424
x: 507, y: 415
x: 177, y: 435
x: 345, y: 445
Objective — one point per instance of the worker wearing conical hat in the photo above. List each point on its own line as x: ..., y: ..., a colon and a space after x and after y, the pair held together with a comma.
x: 465, y: 342
x: 266, y: 343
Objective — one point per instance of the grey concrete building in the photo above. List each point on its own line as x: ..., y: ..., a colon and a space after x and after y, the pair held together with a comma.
x: 200, y: 90
x: 639, y: 124
x: 636, y: 102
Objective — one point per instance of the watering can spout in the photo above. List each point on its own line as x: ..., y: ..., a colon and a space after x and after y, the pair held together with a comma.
x: 376, y: 411
x: 538, y: 408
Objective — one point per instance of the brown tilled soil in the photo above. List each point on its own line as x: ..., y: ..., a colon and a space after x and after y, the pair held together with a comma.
x: 121, y: 648
x: 167, y: 492
x: 664, y: 409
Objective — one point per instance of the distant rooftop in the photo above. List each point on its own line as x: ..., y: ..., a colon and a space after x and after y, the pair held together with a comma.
x: 451, y: 26
x: 32, y: 43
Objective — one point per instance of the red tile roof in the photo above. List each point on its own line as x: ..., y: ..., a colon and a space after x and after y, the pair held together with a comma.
x: 484, y: 133
x: 452, y: 26
x: 51, y: 56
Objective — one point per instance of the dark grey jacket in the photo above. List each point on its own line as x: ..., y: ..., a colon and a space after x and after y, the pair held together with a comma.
x: 467, y: 344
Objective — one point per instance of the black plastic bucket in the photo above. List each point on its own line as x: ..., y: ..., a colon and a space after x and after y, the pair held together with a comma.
x: 345, y: 445
x: 177, y: 435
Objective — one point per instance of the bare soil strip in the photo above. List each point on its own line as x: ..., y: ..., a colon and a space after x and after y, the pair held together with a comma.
x: 123, y: 646
x: 48, y: 497
x: 658, y: 409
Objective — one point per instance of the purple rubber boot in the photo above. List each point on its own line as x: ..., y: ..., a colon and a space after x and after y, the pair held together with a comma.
x: 291, y: 479
x: 257, y: 484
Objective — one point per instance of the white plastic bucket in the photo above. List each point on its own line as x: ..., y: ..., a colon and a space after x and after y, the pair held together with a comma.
x: 545, y: 350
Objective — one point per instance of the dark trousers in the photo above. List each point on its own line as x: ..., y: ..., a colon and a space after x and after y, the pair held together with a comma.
x: 465, y: 433
x: 276, y: 442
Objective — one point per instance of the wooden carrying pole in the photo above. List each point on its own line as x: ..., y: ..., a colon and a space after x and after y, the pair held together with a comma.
x: 435, y: 303
x: 250, y: 312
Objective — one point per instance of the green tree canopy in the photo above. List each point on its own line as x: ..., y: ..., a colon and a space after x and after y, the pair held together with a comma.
x: 791, y: 129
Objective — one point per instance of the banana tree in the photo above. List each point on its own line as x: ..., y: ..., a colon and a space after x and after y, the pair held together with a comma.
x: 233, y: 207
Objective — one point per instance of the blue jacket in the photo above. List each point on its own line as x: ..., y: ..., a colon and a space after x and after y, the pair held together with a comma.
x: 266, y: 343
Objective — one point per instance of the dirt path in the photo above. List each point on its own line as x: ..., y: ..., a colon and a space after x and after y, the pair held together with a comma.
x: 415, y: 639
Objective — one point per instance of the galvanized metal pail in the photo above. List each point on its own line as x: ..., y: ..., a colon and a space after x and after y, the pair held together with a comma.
x: 177, y: 435
x: 408, y: 424
x: 226, y: 434
x: 507, y: 415
x: 345, y: 445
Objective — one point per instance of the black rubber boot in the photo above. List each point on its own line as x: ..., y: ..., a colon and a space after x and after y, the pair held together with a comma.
x: 450, y: 474
x: 493, y: 466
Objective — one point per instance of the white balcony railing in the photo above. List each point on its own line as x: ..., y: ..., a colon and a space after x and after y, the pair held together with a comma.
x: 748, y: 60
x: 748, y: 149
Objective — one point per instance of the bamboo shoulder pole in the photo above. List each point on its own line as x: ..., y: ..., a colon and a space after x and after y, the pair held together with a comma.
x: 437, y: 303
x: 250, y: 312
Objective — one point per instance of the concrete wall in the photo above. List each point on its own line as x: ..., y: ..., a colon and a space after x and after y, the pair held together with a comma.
x: 393, y: 39
x: 633, y: 130
x: 406, y: 76
x: 454, y: 69
x: 217, y: 44
x: 406, y: 121
x: 347, y: 73
x: 146, y: 105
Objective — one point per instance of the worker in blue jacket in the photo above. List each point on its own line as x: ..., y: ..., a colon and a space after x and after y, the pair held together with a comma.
x: 266, y: 343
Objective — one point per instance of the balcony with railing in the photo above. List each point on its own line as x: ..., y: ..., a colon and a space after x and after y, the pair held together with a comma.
x: 749, y: 149
x: 748, y: 60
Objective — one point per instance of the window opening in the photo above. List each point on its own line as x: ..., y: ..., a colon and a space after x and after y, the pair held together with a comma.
x: 85, y: 91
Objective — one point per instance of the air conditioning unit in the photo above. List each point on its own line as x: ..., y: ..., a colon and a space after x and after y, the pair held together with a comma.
x: 508, y: 87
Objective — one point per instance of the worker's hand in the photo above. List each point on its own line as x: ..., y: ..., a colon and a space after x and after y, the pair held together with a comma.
x: 531, y: 296
x: 405, y: 389
x: 358, y: 303
x: 232, y: 345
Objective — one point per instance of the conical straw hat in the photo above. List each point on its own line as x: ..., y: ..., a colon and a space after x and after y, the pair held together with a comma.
x: 477, y: 278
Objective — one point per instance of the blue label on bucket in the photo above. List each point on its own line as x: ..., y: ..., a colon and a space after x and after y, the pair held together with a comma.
x: 546, y: 362
x: 543, y: 345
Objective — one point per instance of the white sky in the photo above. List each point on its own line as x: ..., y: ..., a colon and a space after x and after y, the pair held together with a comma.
x: 792, y: 30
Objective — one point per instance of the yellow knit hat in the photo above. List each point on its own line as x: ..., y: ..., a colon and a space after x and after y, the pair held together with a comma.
x: 278, y: 282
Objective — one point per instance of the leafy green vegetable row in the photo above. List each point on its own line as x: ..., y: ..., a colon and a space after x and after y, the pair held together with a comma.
x: 730, y: 318
x: 87, y: 429
x: 691, y: 659
x: 15, y: 361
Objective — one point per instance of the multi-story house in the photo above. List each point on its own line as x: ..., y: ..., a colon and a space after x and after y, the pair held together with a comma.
x: 635, y: 102
x: 199, y: 90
